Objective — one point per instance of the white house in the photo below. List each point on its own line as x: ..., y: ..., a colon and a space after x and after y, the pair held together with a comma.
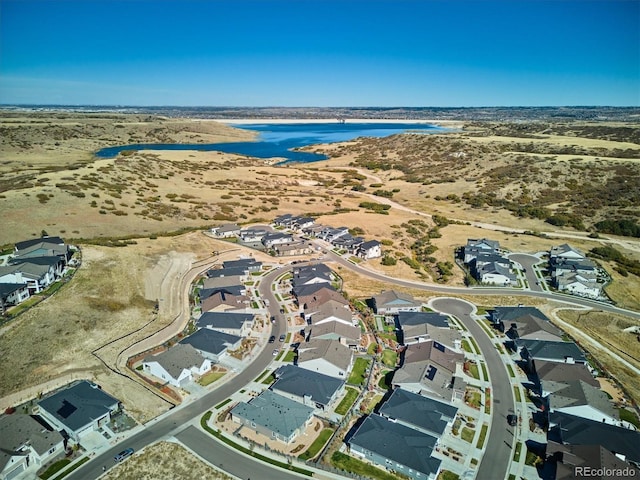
x: 328, y: 357
x: 574, y: 285
x: 26, y: 445
x: 370, y: 249
x: 225, y: 231
x: 177, y: 365
x: 13, y: 294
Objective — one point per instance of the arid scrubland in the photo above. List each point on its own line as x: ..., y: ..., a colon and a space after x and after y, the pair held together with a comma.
x: 420, y: 195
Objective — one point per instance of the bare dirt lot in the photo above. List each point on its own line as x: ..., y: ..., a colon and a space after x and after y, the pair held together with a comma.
x: 164, y: 460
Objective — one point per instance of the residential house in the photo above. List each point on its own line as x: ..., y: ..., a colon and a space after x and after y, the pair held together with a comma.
x: 390, y: 302
x: 177, y: 365
x: 566, y: 251
x: 370, y: 249
x: 26, y: 444
x: 78, y: 409
x: 43, y: 247
x: 325, y: 292
x: 270, y: 240
x: 222, y: 282
x: 547, y: 377
x: 430, y: 368
x: 330, y: 234
x: 37, y: 277
x: 303, y: 290
x: 425, y: 414
x: 58, y: 263
x: 273, y: 416
x: 475, y: 247
x: 241, y: 272
x: 313, y: 389
x: 568, y: 459
x: 329, y: 357
x: 395, y: 447
x: 239, y: 324
x: 249, y: 264
x: 252, y: 235
x: 213, y: 344
x: 346, y: 334
x: 578, y: 398
x: 12, y: 294
x: 578, y: 285
x: 413, y: 327
x: 564, y: 266
x: 566, y: 429
x: 293, y: 248
x: 306, y: 275
x: 283, y: 220
x: 50, y: 242
x: 301, y: 223
x: 492, y: 269
x: 553, y: 351
x: 221, y: 301
x: 226, y: 231
x: 237, y: 290
x: 524, y: 322
x: 330, y: 311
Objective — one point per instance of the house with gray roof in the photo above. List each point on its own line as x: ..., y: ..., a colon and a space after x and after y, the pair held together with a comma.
x: 346, y: 334
x: 277, y: 238
x: 329, y: 357
x: 12, y: 294
x: 213, y: 344
x: 309, y: 274
x: 311, y: 302
x: 273, y: 415
x: 390, y: 302
x: 78, y: 409
x: 430, y: 368
x: 395, y: 447
x: 330, y: 311
x: 313, y: 389
x: 566, y: 459
x: 474, y: 247
x: 524, y: 322
x: 547, y: 377
x: 578, y: 398
x: 252, y: 235
x: 425, y: 414
x: 293, y: 248
x: 237, y: 290
x: 47, y: 240
x: 26, y: 444
x: 36, y: 275
x: 240, y: 271
x: 223, y: 301
x: 369, y: 249
x: 566, y: 251
x: 552, y: 351
x: 226, y: 231
x: 249, y: 264
x: 577, y: 285
x: 222, y: 282
x: 566, y: 429
x: 177, y: 365
x: 413, y: 327
x: 239, y: 324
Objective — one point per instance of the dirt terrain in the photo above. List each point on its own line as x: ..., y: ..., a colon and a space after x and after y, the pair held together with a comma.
x: 118, y: 209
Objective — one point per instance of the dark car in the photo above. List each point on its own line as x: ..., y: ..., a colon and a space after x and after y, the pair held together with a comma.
x: 272, y: 338
x: 282, y: 337
x: 512, y: 420
x: 123, y: 454
x: 273, y: 319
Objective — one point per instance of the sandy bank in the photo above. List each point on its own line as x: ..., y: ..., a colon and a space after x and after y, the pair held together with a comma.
x: 249, y: 121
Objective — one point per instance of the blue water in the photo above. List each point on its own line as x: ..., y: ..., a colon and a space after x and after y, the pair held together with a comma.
x: 280, y: 140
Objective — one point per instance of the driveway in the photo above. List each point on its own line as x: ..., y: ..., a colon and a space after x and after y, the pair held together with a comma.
x: 527, y: 262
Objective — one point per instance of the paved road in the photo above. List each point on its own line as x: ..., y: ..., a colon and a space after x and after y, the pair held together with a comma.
x: 499, y: 441
x: 176, y: 420
x: 527, y: 262
x: 230, y: 460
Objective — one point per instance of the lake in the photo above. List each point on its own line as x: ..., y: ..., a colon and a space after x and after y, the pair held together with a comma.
x: 279, y: 140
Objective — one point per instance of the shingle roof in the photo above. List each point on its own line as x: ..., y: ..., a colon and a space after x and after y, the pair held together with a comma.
x: 78, y: 405
x: 35, y: 241
x: 338, y: 329
x: 302, y: 382
x: 8, y: 288
x: 574, y: 430
x: 274, y: 412
x: 211, y: 341
x: 19, y: 429
x: 577, y: 392
x: 426, y: 414
x: 563, y: 372
x: 391, y: 298
x: 178, y: 358
x: 224, y: 320
x: 330, y: 350
x: 398, y: 443
x: 550, y: 350
x: 420, y: 318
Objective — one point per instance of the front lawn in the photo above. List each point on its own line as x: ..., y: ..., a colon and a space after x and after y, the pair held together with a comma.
x: 210, y: 377
x: 55, y: 468
x: 291, y: 354
x: 317, y: 445
x: 352, y: 465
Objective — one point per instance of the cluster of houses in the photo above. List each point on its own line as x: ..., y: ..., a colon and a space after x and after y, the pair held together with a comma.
x: 580, y: 419
x: 287, y: 241
x: 32, y: 267
x: 226, y: 318
x: 572, y: 272
x: 487, y: 263
x: 60, y: 420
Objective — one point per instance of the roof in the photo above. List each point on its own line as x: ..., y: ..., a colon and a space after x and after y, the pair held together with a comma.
x: 397, y: 442
x: 302, y: 383
x: 274, y: 412
x: 576, y: 392
x: 596, y: 457
x: 336, y: 330
x: 226, y: 281
x: 211, y: 341
x: 78, y: 405
x: 45, y: 260
x: 483, y: 243
x: 7, y: 289
x: 178, y: 358
x: 391, y: 298
x: 551, y: 350
x: 332, y: 308
x: 27, y: 268
x: 305, y: 290
x: 510, y: 314
x: 434, y: 352
x: 564, y: 372
x: 369, y: 244
x: 221, y: 297
x: 330, y: 350
x: 420, y: 318
x: 532, y: 327
x: 224, y: 320
x: 426, y: 414
x: 321, y: 295
x: 243, y: 262
x: 573, y: 430
x: 227, y: 227
x: 35, y: 241
x: 566, y: 250
x: 19, y: 429
x: 227, y: 272
x: 446, y: 336
x: 237, y: 290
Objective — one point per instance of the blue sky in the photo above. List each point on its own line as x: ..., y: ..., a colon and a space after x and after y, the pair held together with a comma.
x: 320, y: 52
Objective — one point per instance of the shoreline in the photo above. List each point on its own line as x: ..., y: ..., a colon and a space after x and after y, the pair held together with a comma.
x: 258, y: 121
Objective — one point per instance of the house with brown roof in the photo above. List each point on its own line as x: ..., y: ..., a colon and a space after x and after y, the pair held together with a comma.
x: 310, y: 302
x: 330, y: 311
x: 222, y: 301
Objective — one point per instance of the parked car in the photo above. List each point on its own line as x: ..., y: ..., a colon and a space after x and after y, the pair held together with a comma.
x: 275, y: 352
x: 123, y: 454
x: 272, y: 338
x: 512, y: 420
x: 282, y: 337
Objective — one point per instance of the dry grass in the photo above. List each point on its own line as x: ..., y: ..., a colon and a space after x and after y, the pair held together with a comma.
x: 164, y: 460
